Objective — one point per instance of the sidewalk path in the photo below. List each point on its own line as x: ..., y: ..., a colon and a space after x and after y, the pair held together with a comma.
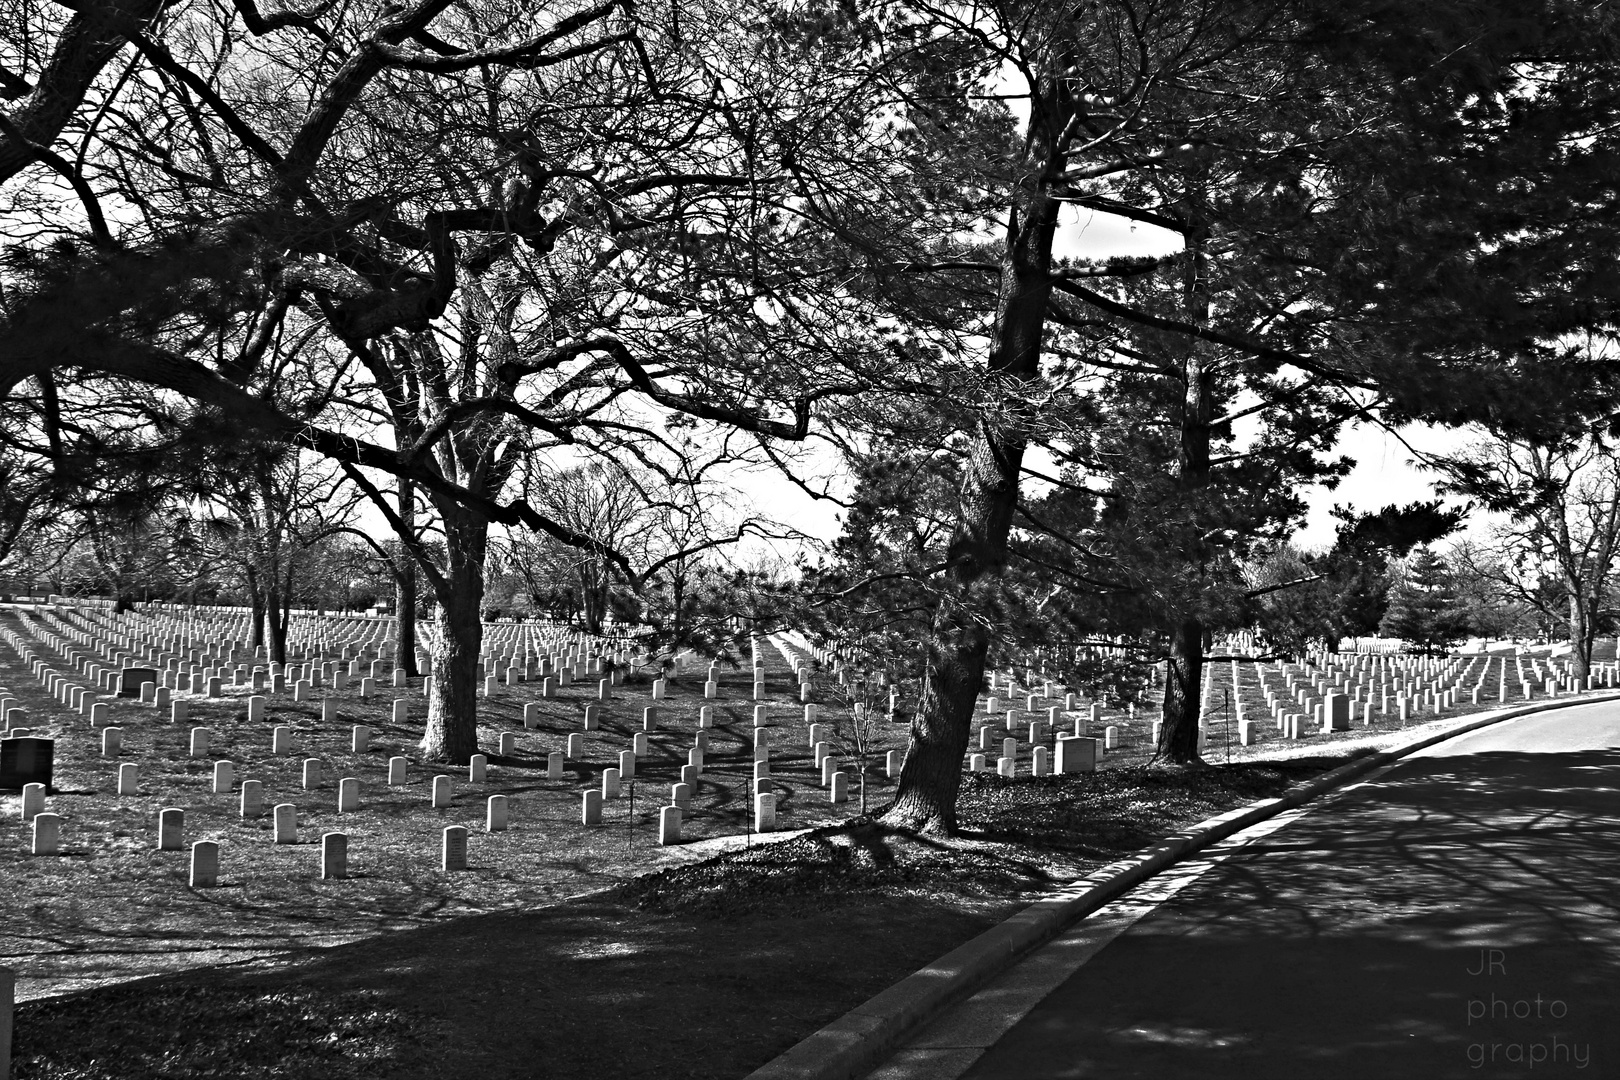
x: 1456, y: 914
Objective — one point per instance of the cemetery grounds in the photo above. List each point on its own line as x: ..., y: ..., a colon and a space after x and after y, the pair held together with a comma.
x: 563, y: 949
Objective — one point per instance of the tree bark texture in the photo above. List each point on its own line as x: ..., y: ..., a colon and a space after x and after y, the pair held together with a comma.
x: 405, y: 589
x: 256, y: 595
x: 1183, y: 688
x: 451, y: 734
x: 1183, y: 693
x: 1582, y: 636
x: 959, y: 640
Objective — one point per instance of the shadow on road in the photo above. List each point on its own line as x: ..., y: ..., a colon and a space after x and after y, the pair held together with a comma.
x: 1459, y: 918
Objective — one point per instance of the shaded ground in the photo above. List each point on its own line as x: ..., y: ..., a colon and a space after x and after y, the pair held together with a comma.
x: 705, y: 970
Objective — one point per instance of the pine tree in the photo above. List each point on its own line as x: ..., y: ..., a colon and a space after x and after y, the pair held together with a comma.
x: 1424, y: 609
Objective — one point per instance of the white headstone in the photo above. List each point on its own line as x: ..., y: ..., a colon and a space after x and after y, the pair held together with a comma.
x: 171, y: 823
x: 455, y: 849
x: 33, y: 801
x: 204, y: 864
x: 47, y: 841
x: 286, y: 823
x: 669, y: 825
x: 252, y: 798
x: 495, y: 814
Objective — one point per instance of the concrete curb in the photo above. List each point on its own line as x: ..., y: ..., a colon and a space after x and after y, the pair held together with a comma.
x: 858, y: 1041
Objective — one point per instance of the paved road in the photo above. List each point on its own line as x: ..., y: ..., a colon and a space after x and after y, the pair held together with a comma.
x: 1457, y: 915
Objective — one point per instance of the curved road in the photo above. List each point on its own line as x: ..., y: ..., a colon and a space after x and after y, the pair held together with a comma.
x: 1456, y: 914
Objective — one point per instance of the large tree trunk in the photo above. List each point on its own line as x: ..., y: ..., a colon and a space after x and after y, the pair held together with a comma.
x: 1581, y: 635
x: 405, y: 588
x: 256, y: 599
x: 452, y: 721
x: 276, y: 618
x: 1183, y: 693
x: 958, y: 642
x: 594, y: 596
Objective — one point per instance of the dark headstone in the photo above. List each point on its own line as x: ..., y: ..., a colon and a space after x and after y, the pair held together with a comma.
x: 26, y: 761
x: 129, y: 683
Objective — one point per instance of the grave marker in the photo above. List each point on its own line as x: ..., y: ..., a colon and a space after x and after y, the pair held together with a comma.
x: 25, y: 760
x: 495, y: 814
x: 204, y: 864
x: 454, y: 855
x: 132, y: 679
x: 129, y: 779
x: 252, y: 798
x: 348, y: 794
x: 1076, y: 754
x: 669, y: 825
x: 171, y: 822
x: 441, y: 792
x: 224, y: 777
x: 286, y: 823
x: 334, y: 856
